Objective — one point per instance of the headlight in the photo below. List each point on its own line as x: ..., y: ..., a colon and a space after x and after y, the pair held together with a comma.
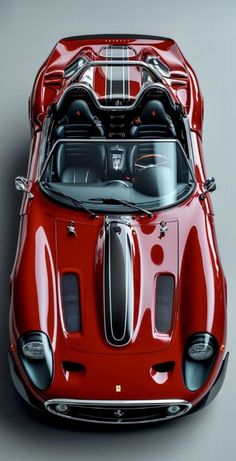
x: 34, y: 350
x: 198, y: 359
x: 200, y: 351
x: 36, y: 357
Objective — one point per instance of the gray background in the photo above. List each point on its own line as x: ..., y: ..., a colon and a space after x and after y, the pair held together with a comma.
x: 206, y: 33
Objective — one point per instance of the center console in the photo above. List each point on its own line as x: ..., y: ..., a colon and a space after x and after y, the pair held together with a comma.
x: 116, y: 162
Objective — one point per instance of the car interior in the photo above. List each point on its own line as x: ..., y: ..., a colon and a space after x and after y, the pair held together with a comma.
x: 97, y: 147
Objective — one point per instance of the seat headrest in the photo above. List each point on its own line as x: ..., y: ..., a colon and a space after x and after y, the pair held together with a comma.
x: 79, y: 112
x: 154, y: 113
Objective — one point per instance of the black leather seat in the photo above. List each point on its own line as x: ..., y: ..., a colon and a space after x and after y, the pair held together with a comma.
x: 79, y: 122
x: 80, y: 163
x: 154, y: 122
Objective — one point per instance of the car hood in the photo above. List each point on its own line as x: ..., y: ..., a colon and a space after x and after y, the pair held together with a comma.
x: 117, y: 266
x: 118, y: 262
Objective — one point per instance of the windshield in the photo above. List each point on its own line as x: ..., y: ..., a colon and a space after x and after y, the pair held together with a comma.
x: 151, y: 174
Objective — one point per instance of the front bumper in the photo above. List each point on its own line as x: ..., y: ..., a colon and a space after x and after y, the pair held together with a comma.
x: 118, y: 411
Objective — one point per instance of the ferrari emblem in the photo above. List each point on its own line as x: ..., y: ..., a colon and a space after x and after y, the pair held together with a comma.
x: 118, y: 413
x: 118, y: 388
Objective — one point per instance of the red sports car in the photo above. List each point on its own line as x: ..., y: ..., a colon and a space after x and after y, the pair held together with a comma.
x: 118, y: 298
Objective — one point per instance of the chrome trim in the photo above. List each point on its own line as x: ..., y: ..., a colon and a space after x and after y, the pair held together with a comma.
x: 22, y: 185
x: 167, y: 74
x: 123, y: 219
x: 142, y: 91
x: 104, y: 63
x: 100, y: 404
x: 79, y: 61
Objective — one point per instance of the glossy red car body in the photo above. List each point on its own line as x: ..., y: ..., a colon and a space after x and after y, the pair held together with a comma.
x: 116, y: 376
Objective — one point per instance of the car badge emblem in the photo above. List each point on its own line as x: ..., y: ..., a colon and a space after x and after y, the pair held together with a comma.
x: 71, y: 228
x: 119, y: 413
x: 118, y: 388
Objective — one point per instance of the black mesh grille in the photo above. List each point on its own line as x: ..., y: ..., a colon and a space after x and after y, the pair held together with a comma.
x: 164, y: 302
x: 71, y: 302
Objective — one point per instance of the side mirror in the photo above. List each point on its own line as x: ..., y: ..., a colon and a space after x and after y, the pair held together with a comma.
x: 22, y: 185
x: 209, y: 186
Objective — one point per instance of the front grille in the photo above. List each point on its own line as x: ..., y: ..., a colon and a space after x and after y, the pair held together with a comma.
x: 121, y: 412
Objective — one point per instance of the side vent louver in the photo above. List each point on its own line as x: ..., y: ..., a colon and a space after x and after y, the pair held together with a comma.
x: 71, y: 302
x: 164, y: 302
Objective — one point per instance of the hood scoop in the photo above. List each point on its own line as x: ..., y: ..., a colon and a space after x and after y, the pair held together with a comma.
x: 118, y: 284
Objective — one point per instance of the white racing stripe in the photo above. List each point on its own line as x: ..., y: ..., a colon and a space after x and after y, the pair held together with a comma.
x: 119, y: 87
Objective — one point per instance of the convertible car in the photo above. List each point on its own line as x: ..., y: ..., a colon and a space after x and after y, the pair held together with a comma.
x: 118, y: 297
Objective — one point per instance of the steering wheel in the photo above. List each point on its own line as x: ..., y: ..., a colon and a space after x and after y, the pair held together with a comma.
x: 117, y: 181
x: 145, y: 158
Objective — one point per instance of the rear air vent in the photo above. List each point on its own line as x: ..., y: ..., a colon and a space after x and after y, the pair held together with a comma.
x: 71, y: 302
x: 164, y: 302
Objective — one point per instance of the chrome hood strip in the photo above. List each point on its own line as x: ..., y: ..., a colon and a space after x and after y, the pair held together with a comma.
x: 118, y: 286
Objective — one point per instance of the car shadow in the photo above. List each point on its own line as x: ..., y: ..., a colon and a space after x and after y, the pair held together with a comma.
x: 15, y: 157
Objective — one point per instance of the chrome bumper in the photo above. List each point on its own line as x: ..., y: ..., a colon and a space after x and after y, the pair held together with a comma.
x: 118, y: 411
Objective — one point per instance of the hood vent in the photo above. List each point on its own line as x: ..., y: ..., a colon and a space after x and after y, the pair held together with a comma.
x: 164, y: 302
x: 118, y: 284
x: 71, y: 302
